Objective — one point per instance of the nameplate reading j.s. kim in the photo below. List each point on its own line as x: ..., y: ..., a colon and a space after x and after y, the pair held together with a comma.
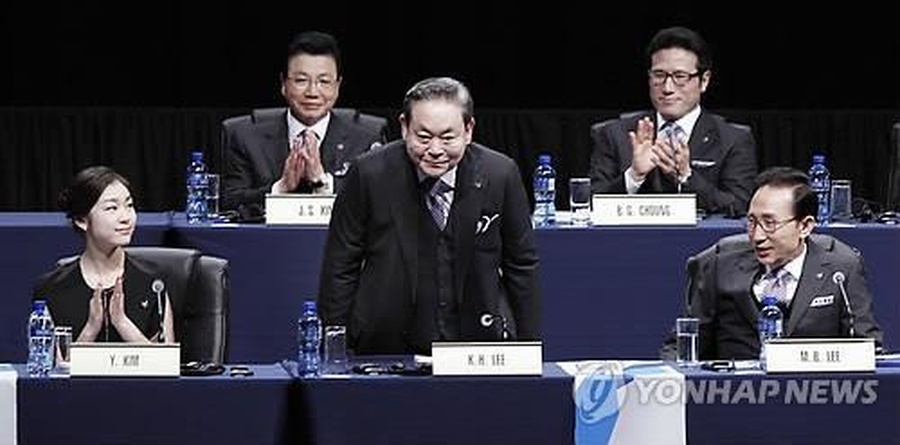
x: 125, y: 359
x: 487, y: 358
x: 820, y: 355
x: 299, y: 209
x: 644, y: 210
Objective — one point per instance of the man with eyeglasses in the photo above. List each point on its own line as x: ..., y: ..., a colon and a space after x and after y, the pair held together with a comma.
x: 678, y: 147
x: 779, y: 256
x: 431, y: 238
x: 306, y: 148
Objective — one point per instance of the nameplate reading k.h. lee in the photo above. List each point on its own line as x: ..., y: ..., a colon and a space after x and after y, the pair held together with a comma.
x: 487, y: 358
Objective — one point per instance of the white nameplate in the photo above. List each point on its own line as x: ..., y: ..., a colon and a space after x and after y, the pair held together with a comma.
x: 299, y: 209
x: 820, y: 355
x: 125, y: 359
x: 487, y: 358
x: 644, y: 210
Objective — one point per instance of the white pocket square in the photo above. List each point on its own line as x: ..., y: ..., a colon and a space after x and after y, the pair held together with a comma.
x: 485, y: 222
x: 824, y: 300
x: 702, y: 163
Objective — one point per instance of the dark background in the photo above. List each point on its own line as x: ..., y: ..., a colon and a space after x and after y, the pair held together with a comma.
x: 138, y: 85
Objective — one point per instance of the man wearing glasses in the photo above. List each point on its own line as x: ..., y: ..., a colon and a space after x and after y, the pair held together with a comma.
x: 304, y: 149
x: 678, y: 147
x: 779, y: 256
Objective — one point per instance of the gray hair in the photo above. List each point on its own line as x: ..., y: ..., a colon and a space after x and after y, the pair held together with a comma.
x: 440, y: 88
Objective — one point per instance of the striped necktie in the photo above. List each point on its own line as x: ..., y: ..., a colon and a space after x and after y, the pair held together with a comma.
x: 439, y: 203
x: 778, y: 282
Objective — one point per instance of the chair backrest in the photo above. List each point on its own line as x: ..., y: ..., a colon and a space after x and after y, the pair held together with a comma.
x: 893, y: 195
x: 198, y: 290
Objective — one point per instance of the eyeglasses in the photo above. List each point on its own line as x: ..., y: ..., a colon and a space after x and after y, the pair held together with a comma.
x: 679, y: 78
x: 768, y: 225
x: 322, y: 83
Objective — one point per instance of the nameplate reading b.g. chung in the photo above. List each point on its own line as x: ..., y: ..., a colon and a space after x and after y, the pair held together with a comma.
x: 125, y: 359
x: 299, y: 209
x: 487, y: 358
x: 820, y: 355
x: 644, y: 210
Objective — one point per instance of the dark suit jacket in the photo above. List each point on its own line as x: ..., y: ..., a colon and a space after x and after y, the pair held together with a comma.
x: 723, y: 162
x: 369, y: 268
x: 255, y: 147
x: 721, y: 296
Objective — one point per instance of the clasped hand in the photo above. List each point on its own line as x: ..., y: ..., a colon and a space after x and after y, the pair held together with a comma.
x: 304, y: 163
x: 650, y: 152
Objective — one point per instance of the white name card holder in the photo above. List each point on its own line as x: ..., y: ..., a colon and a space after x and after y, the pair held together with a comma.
x: 487, y: 358
x: 299, y: 209
x: 125, y: 359
x: 820, y: 355
x: 644, y: 210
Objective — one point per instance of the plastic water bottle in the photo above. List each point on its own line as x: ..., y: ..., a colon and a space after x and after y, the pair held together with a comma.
x: 309, y: 340
x: 544, y: 192
x: 820, y: 182
x: 40, y: 340
x: 769, y: 324
x: 196, y: 208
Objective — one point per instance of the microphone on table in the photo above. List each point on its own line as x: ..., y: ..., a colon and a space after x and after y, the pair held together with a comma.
x: 488, y: 319
x: 839, y: 278
x: 158, y: 286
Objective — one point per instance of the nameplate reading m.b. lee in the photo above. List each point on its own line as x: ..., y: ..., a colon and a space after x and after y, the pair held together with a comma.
x: 125, y: 359
x: 487, y: 358
x: 644, y: 210
x: 820, y: 355
x: 299, y: 209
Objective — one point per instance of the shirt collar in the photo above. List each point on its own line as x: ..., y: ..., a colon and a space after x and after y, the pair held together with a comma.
x: 448, y: 178
x: 686, y: 122
x: 795, y: 266
x: 295, y: 127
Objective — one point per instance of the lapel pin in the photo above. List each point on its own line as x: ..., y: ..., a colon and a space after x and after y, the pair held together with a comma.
x: 705, y: 139
x: 478, y: 184
x: 340, y: 146
x: 820, y: 275
x: 145, y: 304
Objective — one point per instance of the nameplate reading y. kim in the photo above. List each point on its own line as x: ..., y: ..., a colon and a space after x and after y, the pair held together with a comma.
x: 125, y: 359
x: 645, y: 210
x: 299, y: 209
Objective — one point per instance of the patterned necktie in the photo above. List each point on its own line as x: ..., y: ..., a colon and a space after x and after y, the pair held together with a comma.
x: 778, y: 281
x: 439, y: 203
x: 673, y: 133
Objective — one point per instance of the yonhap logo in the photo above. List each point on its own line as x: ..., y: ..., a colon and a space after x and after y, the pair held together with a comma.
x: 597, y: 397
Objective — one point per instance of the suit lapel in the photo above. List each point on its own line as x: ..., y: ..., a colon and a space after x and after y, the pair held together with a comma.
x: 703, y: 137
x: 334, y: 142
x: 810, y: 285
x: 405, y: 211
x: 470, y: 184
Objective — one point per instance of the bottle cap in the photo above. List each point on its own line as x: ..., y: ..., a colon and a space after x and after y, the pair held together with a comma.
x: 309, y: 305
x: 544, y: 159
x: 38, y: 304
x: 770, y: 300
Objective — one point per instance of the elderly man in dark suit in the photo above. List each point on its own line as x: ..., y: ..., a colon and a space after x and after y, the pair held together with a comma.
x: 728, y: 280
x: 306, y: 148
x: 678, y: 147
x: 431, y: 237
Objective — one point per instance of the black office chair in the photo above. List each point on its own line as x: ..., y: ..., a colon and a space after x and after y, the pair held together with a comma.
x: 198, y: 289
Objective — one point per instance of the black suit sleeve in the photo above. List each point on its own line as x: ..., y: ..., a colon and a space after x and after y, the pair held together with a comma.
x: 606, y: 170
x: 343, y: 258
x: 520, y: 260
x: 239, y: 190
x: 861, y: 303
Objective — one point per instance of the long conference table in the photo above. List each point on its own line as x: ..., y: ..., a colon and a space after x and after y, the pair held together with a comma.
x: 271, y: 407
x: 607, y: 292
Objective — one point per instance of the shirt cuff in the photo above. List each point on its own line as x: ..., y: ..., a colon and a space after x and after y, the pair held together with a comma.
x: 632, y: 185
